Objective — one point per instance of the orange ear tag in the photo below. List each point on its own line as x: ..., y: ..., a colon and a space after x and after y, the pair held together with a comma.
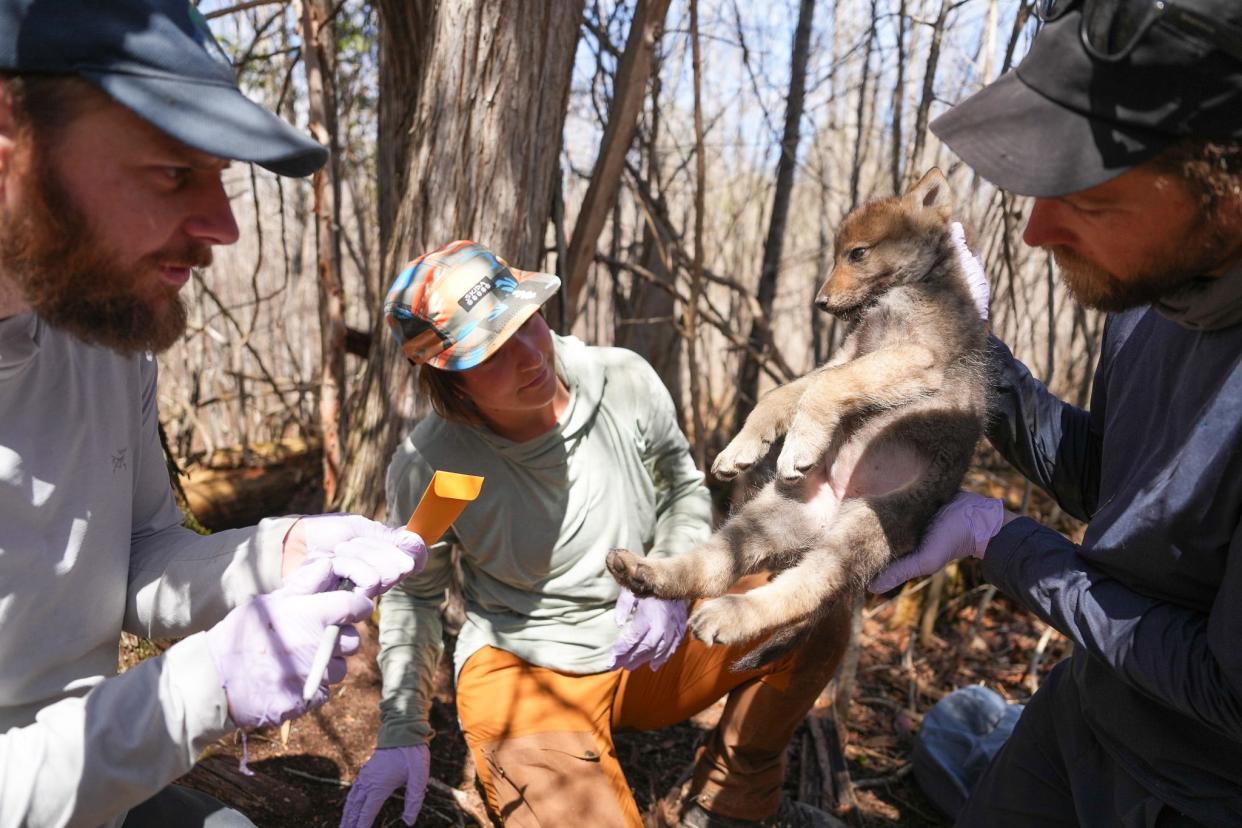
x: 443, y: 501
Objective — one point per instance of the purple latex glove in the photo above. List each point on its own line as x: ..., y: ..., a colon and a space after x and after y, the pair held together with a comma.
x: 263, y: 649
x: 370, y: 554
x: 972, y: 267
x: 655, y: 629
x: 963, y: 528
x: 387, y: 770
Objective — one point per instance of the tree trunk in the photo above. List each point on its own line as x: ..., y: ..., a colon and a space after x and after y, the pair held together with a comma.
x: 318, y: 60
x: 690, y: 310
x: 899, y: 101
x: 986, y: 62
x: 760, y: 332
x: 929, y: 89
x: 658, y: 340
x: 821, y: 335
x: 628, y: 90
x: 860, y: 143
x: 1020, y: 19
x: 473, y: 98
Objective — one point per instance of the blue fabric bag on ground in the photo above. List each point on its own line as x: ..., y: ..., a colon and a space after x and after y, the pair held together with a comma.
x: 959, y: 737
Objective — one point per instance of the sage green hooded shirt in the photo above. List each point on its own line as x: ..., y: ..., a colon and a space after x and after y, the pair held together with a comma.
x: 615, y: 473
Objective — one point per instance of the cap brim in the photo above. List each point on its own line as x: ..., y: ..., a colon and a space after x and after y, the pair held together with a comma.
x: 216, y: 119
x: 466, y: 354
x: 1028, y: 144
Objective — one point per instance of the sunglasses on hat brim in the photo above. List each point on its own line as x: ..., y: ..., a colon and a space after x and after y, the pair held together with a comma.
x: 1110, y: 29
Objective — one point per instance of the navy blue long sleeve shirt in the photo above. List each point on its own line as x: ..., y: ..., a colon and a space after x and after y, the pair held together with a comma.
x: 1152, y: 599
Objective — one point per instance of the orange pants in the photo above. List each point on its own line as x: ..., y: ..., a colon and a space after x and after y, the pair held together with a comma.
x: 542, y: 740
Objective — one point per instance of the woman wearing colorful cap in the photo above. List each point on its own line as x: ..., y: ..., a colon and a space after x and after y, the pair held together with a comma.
x: 581, y: 452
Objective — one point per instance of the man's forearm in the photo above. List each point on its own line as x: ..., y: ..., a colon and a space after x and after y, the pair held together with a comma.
x: 1162, y: 649
x: 88, y: 759
x: 181, y: 582
x: 410, y: 639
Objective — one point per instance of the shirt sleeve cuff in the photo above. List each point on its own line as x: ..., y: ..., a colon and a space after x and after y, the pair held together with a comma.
x: 404, y: 734
x: 190, y: 675
x: 1017, y: 538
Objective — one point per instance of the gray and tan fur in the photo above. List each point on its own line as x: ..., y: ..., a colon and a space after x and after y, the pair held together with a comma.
x: 876, y: 440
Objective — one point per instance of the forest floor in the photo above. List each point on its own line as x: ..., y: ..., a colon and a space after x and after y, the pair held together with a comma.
x: 979, y: 637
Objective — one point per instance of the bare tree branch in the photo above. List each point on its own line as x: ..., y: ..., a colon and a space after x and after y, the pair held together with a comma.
x: 239, y: 7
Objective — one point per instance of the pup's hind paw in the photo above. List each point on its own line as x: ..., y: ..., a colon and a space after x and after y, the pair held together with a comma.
x: 632, y: 572
x: 743, y: 451
x: 729, y: 619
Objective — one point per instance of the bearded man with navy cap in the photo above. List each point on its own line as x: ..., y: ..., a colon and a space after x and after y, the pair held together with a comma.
x: 116, y: 122
x: 1125, y: 123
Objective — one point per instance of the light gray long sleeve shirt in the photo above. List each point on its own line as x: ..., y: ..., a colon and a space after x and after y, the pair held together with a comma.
x: 615, y: 472
x: 91, y: 543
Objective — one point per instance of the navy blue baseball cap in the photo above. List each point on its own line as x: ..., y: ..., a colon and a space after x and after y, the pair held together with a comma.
x: 158, y: 59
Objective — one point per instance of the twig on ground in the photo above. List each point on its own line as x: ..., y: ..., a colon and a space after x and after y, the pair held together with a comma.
x: 950, y: 606
x: 1031, y: 680
x: 834, y: 771
x: 907, y: 665
x: 928, y: 818
x: 980, y: 609
x: 324, y: 779
x: 883, y: 701
x: 809, y: 773
x: 887, y: 779
x: 472, y: 806
x: 868, y: 614
x: 847, y: 672
x: 931, y: 608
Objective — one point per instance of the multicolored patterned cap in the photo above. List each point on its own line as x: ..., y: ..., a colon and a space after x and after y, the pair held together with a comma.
x: 454, y: 307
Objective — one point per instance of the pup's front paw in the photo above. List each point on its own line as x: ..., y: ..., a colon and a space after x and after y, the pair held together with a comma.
x: 805, y: 445
x: 743, y: 451
x: 727, y: 620
x: 632, y: 572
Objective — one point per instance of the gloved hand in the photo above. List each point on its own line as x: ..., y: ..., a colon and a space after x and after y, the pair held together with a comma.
x: 655, y: 629
x: 263, y: 649
x: 387, y: 770
x: 370, y: 554
x: 972, y: 266
x: 963, y: 527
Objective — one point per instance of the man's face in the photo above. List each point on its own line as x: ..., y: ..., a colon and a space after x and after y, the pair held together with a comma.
x: 1133, y: 239
x: 101, y: 223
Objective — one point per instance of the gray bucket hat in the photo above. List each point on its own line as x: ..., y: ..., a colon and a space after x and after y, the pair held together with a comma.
x: 1068, y: 118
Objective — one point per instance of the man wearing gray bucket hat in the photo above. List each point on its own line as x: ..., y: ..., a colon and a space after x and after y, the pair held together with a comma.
x: 1125, y: 123
x: 117, y: 120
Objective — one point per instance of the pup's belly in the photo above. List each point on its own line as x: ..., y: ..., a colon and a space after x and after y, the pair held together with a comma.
x: 857, y: 470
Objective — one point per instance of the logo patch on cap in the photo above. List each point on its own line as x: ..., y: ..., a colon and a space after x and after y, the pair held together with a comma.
x: 480, y: 289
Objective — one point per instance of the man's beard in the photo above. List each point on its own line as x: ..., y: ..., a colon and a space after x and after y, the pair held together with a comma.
x: 1158, y: 277
x: 72, y: 282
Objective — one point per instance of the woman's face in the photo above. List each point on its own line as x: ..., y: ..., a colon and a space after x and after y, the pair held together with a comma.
x: 519, y: 378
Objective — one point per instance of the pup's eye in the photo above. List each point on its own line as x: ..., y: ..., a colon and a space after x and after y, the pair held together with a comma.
x: 857, y: 254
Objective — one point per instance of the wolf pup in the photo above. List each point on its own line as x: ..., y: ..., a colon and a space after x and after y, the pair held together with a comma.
x: 876, y: 440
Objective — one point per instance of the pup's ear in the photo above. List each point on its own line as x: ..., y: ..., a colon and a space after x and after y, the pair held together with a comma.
x: 931, y: 193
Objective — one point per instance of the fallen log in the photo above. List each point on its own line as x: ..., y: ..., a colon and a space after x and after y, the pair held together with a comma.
x: 225, y: 498
x: 262, y: 793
